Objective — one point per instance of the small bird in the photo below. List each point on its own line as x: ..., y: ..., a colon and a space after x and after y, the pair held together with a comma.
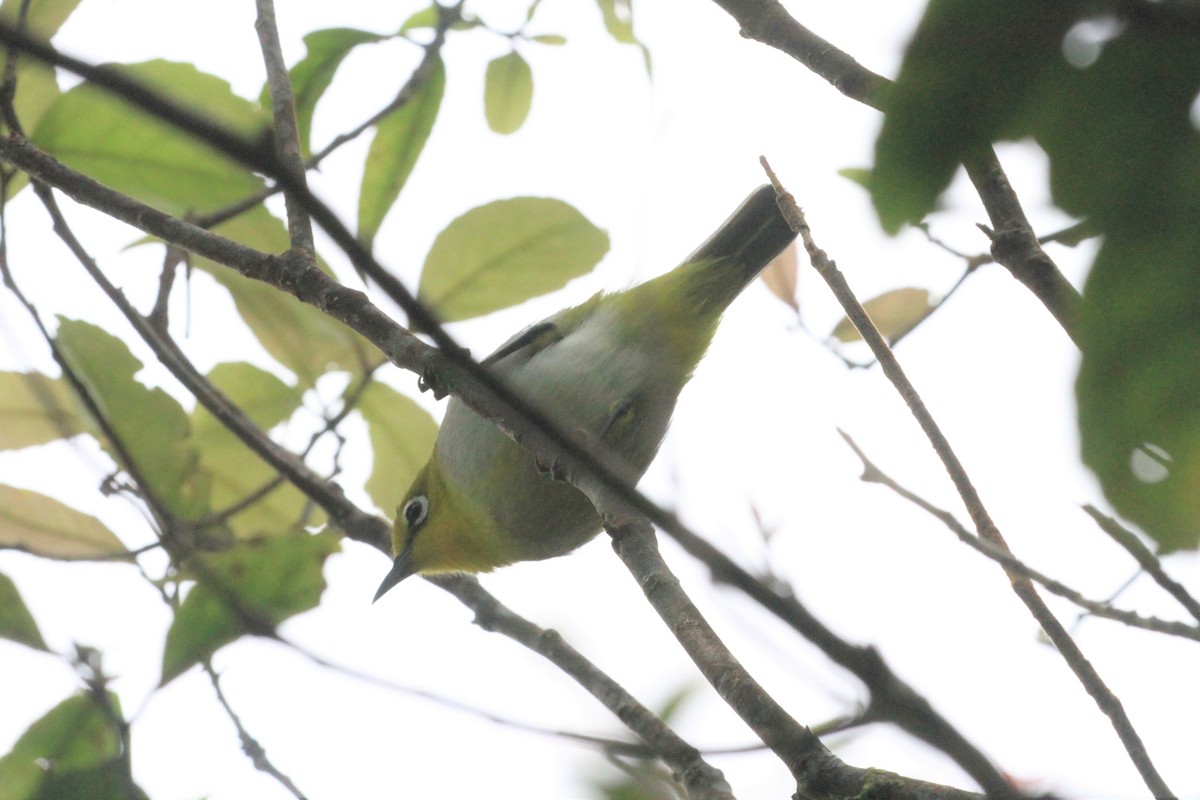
x: 609, y: 370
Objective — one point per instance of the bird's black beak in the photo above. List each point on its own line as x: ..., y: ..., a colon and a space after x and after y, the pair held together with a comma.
x: 401, y: 569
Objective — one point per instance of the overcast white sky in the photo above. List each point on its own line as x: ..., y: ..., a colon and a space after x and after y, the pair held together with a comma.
x: 657, y: 163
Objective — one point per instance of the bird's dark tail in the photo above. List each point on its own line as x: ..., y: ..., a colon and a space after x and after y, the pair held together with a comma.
x: 744, y: 243
x: 753, y: 235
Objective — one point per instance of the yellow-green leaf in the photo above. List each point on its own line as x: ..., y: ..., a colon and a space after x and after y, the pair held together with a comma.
x: 399, y: 139
x: 311, y: 76
x: 44, y: 18
x: 152, y: 427
x: 618, y: 21
x: 402, y: 435
x: 296, y: 335
x: 507, y: 92
x: 246, y: 590
x: 425, y: 18
x: 16, y: 623
x: 35, y: 409
x: 894, y: 313
x: 505, y: 252
x: 42, y: 525
x: 94, y: 132
x: 236, y: 472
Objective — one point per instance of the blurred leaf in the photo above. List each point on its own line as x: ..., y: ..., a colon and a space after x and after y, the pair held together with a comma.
x: 533, y: 7
x: 857, y: 174
x: 76, y: 736
x: 37, y: 90
x: 507, y: 93
x: 781, y: 277
x: 425, y: 18
x: 296, y: 335
x: 894, y: 313
x: 44, y: 17
x: 399, y: 139
x: 236, y: 471
x: 618, y: 21
x: 106, y: 781
x: 676, y: 701
x: 967, y: 72
x: 90, y: 130
x: 402, y: 435
x: 505, y: 252
x: 42, y: 525
x: 35, y: 409
x: 311, y: 76
x: 255, y: 585
x: 549, y: 38
x: 152, y: 427
x: 1139, y: 380
x: 16, y: 623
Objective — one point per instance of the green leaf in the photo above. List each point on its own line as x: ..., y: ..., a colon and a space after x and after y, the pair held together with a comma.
x: 402, y: 435
x: 235, y: 471
x: 44, y: 18
x: 42, y: 525
x: 399, y: 139
x: 311, y: 76
x: 549, y: 38
x: 298, y: 336
x: 858, y: 175
x: 35, y: 409
x: 505, y: 252
x: 894, y: 313
x: 16, y: 623
x: 151, y: 425
x: 1139, y: 380
x: 967, y: 74
x: 507, y: 92
x: 77, y: 735
x: 249, y: 589
x: 90, y: 130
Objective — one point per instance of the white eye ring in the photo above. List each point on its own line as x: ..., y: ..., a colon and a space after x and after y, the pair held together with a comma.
x: 415, y: 511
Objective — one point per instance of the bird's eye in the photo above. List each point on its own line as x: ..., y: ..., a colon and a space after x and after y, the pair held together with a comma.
x: 415, y: 511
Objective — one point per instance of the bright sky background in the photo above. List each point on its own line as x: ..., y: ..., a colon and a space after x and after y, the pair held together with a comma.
x: 658, y: 163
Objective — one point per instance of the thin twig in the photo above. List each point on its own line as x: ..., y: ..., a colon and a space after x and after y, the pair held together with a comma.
x: 699, y: 777
x: 1148, y: 561
x: 873, y: 474
x: 250, y: 746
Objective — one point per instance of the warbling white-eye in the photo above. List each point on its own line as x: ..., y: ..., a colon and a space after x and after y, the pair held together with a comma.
x: 609, y: 370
